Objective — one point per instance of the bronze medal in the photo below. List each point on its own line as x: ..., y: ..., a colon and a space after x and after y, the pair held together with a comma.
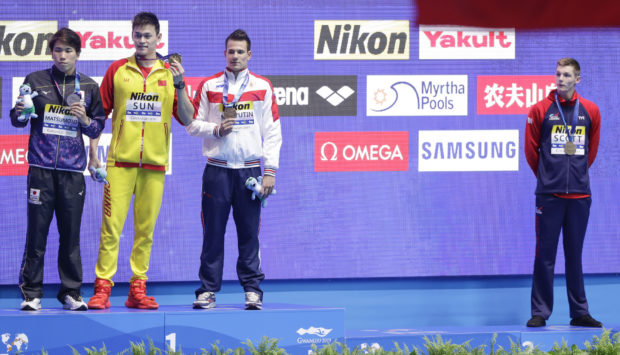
x: 570, y: 148
x: 230, y: 112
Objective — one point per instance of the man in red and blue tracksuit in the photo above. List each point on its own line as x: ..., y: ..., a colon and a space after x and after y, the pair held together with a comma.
x: 561, y: 140
x: 237, y: 118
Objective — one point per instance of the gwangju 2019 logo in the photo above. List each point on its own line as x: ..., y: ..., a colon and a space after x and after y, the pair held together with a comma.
x: 314, y: 335
x: 416, y: 95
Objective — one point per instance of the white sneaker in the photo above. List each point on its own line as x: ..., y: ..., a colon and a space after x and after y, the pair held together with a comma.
x: 253, y: 301
x: 31, y: 304
x: 205, y: 300
x: 74, y: 304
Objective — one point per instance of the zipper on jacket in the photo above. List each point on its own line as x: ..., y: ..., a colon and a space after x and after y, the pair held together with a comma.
x: 118, y: 139
x: 166, y: 133
x: 62, y: 96
x: 567, y: 171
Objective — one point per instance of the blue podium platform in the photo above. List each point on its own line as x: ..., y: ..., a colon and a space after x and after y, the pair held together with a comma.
x: 542, y: 338
x: 296, y: 327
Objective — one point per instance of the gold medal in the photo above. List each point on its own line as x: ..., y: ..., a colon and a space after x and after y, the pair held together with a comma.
x: 174, y: 57
x: 230, y: 112
x: 570, y: 148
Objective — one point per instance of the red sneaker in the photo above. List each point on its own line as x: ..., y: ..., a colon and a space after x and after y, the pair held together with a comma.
x: 101, y: 298
x: 138, y: 298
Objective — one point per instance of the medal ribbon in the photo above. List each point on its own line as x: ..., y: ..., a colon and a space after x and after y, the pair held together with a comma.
x: 77, y: 84
x: 238, y: 95
x: 571, y: 135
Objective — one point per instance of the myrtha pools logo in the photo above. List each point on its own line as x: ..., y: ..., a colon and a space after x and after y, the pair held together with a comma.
x: 416, y: 95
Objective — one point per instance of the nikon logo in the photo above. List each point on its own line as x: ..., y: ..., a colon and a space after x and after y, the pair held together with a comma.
x: 144, y: 96
x: 361, y: 40
x: 26, y: 40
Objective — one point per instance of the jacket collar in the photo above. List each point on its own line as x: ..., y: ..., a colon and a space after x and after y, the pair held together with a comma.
x: 241, y: 76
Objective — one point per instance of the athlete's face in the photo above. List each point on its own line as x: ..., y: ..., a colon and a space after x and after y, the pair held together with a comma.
x: 146, y: 40
x: 566, y: 79
x: 64, y: 57
x: 237, y: 55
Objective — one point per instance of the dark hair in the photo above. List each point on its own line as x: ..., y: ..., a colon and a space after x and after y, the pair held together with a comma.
x: 143, y: 19
x: 67, y: 36
x: 238, y: 35
x: 565, y: 62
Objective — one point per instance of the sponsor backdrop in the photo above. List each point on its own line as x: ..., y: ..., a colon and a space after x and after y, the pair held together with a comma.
x: 402, y: 151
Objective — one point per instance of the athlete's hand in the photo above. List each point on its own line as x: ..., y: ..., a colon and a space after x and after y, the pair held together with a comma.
x: 226, y: 126
x: 267, y: 186
x: 78, y: 110
x: 177, y: 71
x: 19, y: 106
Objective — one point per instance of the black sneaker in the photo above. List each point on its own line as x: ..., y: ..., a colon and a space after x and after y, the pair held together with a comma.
x: 536, y: 321
x: 586, y: 321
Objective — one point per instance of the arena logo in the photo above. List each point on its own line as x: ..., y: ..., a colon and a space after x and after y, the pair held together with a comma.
x: 453, y: 42
x: 416, y: 95
x: 511, y: 94
x: 468, y: 150
x: 361, y: 151
x: 315, y: 95
x: 26, y: 40
x: 111, y: 40
x: 355, y: 40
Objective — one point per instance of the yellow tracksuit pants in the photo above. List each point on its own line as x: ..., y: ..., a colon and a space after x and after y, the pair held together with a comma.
x: 148, y: 187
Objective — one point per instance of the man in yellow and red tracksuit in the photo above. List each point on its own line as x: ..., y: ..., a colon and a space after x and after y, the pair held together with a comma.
x: 141, y: 90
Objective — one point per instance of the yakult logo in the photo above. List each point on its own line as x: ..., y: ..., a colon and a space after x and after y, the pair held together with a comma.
x: 26, y: 40
x: 453, y: 42
x: 511, y: 95
x: 416, y: 95
x: 361, y: 151
x: 111, y: 40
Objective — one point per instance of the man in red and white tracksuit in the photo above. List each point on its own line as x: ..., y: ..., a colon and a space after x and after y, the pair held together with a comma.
x: 237, y: 117
x: 561, y: 140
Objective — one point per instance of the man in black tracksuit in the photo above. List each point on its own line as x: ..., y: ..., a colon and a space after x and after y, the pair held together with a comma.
x: 561, y: 141
x: 67, y: 104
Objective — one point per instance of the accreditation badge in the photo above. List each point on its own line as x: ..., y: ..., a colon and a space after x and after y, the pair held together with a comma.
x: 58, y: 120
x: 562, y: 145
x: 143, y: 107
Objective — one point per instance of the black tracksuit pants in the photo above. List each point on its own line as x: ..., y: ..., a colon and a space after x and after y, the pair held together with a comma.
x: 61, y: 192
